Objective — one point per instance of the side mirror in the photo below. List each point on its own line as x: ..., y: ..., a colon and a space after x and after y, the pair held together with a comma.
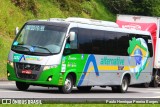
x: 16, y: 30
x: 72, y: 36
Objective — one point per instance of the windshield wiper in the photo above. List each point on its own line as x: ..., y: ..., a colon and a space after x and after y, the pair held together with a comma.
x: 37, y: 46
x: 26, y: 47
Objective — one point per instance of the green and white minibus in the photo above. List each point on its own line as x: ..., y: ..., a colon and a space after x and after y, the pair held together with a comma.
x: 78, y: 52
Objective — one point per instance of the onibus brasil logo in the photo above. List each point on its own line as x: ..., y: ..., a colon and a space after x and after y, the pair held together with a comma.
x: 138, y: 51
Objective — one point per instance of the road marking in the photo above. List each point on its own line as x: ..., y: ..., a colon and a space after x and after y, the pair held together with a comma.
x: 154, y: 97
x: 154, y: 89
x: 151, y: 90
x: 16, y: 91
x: 9, y: 91
x: 6, y: 84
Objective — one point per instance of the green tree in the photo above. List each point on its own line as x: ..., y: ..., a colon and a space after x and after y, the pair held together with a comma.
x: 117, y: 6
x: 138, y: 7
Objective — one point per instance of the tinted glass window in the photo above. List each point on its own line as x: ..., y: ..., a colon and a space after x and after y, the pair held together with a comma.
x: 85, y: 41
x: 110, y: 43
x: 39, y: 39
x: 97, y: 41
x: 107, y: 42
x: 74, y: 43
x: 122, y: 43
x: 146, y: 38
x: 71, y: 46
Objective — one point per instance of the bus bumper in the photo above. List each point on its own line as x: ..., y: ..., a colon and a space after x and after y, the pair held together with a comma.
x: 49, y: 77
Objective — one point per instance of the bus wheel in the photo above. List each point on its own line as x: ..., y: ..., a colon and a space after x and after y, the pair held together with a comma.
x: 68, y: 85
x: 124, y: 86
x: 84, y: 88
x: 156, y: 80
x: 154, y: 83
x: 22, y: 86
x: 157, y: 77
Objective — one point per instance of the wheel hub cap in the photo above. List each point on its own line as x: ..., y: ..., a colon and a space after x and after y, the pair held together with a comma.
x: 124, y: 85
x: 67, y: 84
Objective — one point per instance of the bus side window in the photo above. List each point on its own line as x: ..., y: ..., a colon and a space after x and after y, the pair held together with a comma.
x: 84, y: 41
x: 67, y: 46
x: 73, y: 44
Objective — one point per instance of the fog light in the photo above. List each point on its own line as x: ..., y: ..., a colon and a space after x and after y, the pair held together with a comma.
x: 49, y: 79
x: 8, y: 74
x: 10, y: 63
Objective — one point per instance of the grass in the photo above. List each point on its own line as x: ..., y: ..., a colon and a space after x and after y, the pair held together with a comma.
x: 101, y: 12
x: 12, y: 16
x: 5, y: 44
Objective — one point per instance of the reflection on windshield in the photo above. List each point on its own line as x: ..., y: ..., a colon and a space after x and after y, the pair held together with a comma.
x: 40, y: 38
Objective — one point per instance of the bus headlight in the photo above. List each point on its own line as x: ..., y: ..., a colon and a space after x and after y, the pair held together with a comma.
x: 10, y: 63
x: 49, y: 67
x: 8, y: 74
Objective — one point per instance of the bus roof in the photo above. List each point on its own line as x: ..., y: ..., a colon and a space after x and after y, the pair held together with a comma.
x: 88, y: 24
x: 123, y: 30
x: 92, y: 22
x: 83, y: 21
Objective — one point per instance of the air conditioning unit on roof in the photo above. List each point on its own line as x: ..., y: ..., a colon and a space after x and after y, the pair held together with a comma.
x: 92, y: 22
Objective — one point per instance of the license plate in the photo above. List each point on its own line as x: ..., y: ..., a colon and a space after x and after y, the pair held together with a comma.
x: 26, y: 71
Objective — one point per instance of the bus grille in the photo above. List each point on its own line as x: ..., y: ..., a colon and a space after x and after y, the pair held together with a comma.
x: 36, y: 70
x: 28, y: 66
x: 26, y: 76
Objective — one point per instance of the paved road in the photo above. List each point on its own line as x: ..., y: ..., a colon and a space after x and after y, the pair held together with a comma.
x: 9, y: 90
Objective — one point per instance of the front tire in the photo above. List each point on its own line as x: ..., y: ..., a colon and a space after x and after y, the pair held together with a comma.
x: 156, y: 79
x: 22, y: 86
x: 154, y: 83
x: 68, y: 85
x: 123, y: 87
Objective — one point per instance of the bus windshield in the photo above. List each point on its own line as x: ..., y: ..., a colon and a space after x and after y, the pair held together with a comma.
x: 43, y: 39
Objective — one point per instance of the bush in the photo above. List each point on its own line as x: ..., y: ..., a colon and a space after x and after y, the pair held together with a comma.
x: 138, y: 7
x: 27, y: 5
x: 70, y: 5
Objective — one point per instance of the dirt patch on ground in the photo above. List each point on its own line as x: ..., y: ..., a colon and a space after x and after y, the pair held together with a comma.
x: 3, y: 79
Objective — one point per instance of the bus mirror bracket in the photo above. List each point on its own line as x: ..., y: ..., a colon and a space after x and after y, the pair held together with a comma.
x: 16, y: 30
x: 72, y: 36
